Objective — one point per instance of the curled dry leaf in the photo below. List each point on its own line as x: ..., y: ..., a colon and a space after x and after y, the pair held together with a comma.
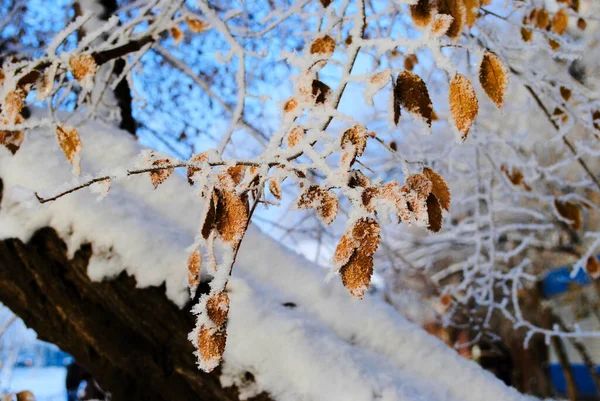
x: 176, y: 33
x: 439, y: 187
x: 356, y: 178
x: 569, y: 211
x: 83, y: 68
x: 217, y: 307
x: 323, y: 45
x: 493, y: 76
x: 211, y: 345
x: 410, y: 61
x: 159, y: 175
x: 411, y: 93
x: 70, y: 143
x: 441, y: 24
x: 560, y: 21
x: 194, y: 266
x: 592, y: 266
x: 514, y: 175
x: 196, y: 25
x: 458, y: 11
x: 275, y: 189
x: 354, y: 255
x: 421, y: 12
x: 464, y: 105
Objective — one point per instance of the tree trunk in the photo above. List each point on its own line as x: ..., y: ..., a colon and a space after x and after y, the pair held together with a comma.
x: 133, y: 340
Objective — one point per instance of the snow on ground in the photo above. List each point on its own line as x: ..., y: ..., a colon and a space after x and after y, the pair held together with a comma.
x: 329, y: 347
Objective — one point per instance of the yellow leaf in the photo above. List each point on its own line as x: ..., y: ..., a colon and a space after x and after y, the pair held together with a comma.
x: 493, y: 76
x: 464, y: 105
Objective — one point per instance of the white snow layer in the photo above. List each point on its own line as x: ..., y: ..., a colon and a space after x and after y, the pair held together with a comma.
x: 329, y: 347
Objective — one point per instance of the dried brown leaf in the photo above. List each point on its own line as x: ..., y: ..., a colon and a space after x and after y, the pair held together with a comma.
x: 410, y: 61
x: 217, y: 308
x: 294, y: 137
x: 194, y: 266
x: 196, y: 25
x: 83, y: 67
x: 177, y: 34
x: 472, y: 10
x: 458, y: 11
x: 411, y: 93
x: 323, y: 45
x: 232, y: 216
x: 320, y: 91
x: 441, y: 24
x: 569, y: 211
x: 514, y: 174
x: 565, y: 93
x: 356, y: 274
x: 356, y: 178
x: 560, y: 21
x: 325, y: 3
x: 327, y: 208
x: 290, y: 105
x: 464, y: 105
x: 581, y: 24
x: 493, y: 76
x: 211, y: 343
x: 160, y: 175
x: 542, y: 19
x: 439, y: 187
x: 12, y: 140
x: 275, y: 189
x: 592, y: 266
x: 434, y: 212
x: 70, y: 143
x: 421, y: 12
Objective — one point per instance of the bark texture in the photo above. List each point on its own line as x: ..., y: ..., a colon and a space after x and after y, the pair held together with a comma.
x: 133, y: 340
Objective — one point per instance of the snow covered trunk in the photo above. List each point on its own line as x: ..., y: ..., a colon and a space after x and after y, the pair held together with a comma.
x: 133, y: 340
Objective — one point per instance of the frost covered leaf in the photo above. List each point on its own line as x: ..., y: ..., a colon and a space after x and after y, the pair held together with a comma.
x: 290, y: 105
x: 12, y: 140
x: 434, y: 212
x: 440, y: 25
x: 324, y: 45
x: 439, y: 187
x: 354, y: 255
x: 411, y: 93
x: 191, y: 171
x: 472, y: 10
x: 458, y: 11
x: 46, y: 83
x: 560, y: 21
x: 196, y: 25
x: 463, y: 104
x: 275, y: 189
x: 194, y: 266
x: 211, y: 345
x: 375, y: 84
x: 70, y: 143
x: 217, y: 307
x: 592, y: 266
x: 353, y: 143
x: 328, y: 207
x: 356, y: 178
x: 160, y: 175
x: 493, y: 76
x: 294, y: 137
x: 176, y: 33
x: 421, y: 12
x: 232, y: 216
x: 14, y: 102
x: 236, y: 173
x: 569, y: 211
x: 83, y: 68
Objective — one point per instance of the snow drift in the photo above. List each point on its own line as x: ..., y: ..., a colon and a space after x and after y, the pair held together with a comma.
x: 301, y: 338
